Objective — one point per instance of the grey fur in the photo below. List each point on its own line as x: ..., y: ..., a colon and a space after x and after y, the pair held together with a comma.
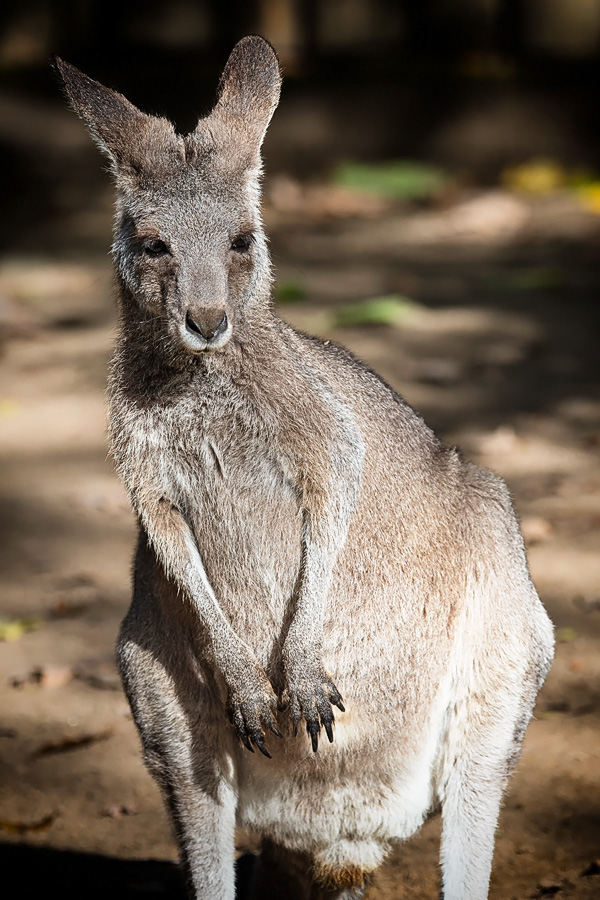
x: 303, y: 537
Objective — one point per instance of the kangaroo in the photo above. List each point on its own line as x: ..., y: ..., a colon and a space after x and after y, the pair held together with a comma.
x: 305, y: 544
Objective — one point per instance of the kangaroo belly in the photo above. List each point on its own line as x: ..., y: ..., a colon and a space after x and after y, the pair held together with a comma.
x: 343, y: 816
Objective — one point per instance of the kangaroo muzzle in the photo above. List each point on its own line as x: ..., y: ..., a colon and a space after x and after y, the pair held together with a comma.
x: 206, y: 329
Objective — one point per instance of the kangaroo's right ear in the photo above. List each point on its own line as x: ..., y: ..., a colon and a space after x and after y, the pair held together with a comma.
x: 120, y: 129
x: 249, y: 90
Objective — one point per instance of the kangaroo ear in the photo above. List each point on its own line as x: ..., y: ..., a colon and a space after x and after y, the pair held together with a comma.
x: 130, y: 138
x: 249, y: 89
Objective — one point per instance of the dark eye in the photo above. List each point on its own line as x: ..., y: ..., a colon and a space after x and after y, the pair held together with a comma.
x: 154, y: 247
x: 242, y: 243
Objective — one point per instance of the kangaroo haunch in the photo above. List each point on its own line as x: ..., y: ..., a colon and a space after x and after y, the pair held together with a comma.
x: 305, y: 543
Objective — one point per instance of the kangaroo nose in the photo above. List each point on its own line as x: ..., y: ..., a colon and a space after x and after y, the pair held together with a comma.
x: 208, y: 323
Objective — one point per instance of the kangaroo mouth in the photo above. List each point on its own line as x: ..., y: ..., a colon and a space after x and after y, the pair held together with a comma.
x: 205, y: 336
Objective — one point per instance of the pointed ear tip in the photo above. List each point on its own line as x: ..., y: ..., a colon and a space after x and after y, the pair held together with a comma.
x: 56, y: 63
x: 63, y: 69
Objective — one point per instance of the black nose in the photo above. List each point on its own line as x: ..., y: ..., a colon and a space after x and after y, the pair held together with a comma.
x: 208, y: 323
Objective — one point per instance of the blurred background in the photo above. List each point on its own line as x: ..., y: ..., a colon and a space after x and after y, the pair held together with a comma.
x: 472, y: 85
x: 432, y: 195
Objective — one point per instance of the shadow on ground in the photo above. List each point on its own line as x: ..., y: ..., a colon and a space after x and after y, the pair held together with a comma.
x: 31, y: 870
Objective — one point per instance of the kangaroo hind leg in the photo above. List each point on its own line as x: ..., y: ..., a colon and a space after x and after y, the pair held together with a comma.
x: 478, y: 760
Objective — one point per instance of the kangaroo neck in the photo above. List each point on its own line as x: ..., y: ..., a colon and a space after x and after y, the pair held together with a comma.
x: 146, y: 369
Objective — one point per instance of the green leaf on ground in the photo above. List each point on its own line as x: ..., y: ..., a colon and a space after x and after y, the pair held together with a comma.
x: 390, y: 310
x: 565, y: 635
x: 400, y: 178
x: 539, y: 278
x: 289, y: 292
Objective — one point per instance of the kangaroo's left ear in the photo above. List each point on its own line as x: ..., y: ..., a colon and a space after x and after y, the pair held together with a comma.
x: 133, y: 141
x: 248, y: 91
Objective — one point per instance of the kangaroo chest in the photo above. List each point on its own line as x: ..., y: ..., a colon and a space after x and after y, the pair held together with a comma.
x: 226, y: 475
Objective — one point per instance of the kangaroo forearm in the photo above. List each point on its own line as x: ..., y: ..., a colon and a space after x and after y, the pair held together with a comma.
x: 325, y: 461
x: 328, y: 510
x: 318, y: 563
x: 310, y: 690
x: 176, y: 550
x: 249, y: 699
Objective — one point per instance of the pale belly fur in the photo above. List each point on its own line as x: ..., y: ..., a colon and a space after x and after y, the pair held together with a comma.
x: 347, y: 805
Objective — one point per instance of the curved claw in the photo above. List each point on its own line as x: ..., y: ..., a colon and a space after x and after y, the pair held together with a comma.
x: 243, y: 736
x: 313, y: 702
x: 259, y: 741
x: 334, y: 696
x: 250, y: 720
x: 275, y: 730
x: 314, y: 729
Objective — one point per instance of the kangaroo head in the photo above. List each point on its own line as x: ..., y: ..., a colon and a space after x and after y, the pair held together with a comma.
x: 189, y: 247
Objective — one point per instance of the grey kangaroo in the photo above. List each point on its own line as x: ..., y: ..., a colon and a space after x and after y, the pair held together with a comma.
x: 305, y: 543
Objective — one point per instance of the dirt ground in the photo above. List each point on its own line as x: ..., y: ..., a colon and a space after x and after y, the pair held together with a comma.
x: 499, y: 352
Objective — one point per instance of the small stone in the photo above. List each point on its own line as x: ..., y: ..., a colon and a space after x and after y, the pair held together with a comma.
x: 501, y: 442
x: 536, y: 529
x: 52, y: 676
x: 118, y: 811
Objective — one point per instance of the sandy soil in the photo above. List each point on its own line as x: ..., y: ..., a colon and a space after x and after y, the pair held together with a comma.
x: 500, y: 356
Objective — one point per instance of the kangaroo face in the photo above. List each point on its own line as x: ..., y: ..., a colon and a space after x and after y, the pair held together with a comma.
x: 189, y: 247
x: 191, y: 255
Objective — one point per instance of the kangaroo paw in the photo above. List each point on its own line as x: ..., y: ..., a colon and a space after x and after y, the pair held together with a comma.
x: 251, y: 711
x: 310, y: 696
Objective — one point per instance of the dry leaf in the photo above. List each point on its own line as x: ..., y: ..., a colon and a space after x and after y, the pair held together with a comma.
x: 14, y: 631
x: 28, y: 827
x: 65, y: 745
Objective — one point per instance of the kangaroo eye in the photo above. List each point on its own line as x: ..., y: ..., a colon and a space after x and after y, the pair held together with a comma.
x: 154, y: 247
x: 242, y: 243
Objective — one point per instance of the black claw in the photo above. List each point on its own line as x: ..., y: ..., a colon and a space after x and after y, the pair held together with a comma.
x: 314, y: 730
x: 261, y: 746
x: 340, y: 705
x: 275, y: 730
x: 335, y: 697
x: 245, y: 741
x: 328, y: 731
